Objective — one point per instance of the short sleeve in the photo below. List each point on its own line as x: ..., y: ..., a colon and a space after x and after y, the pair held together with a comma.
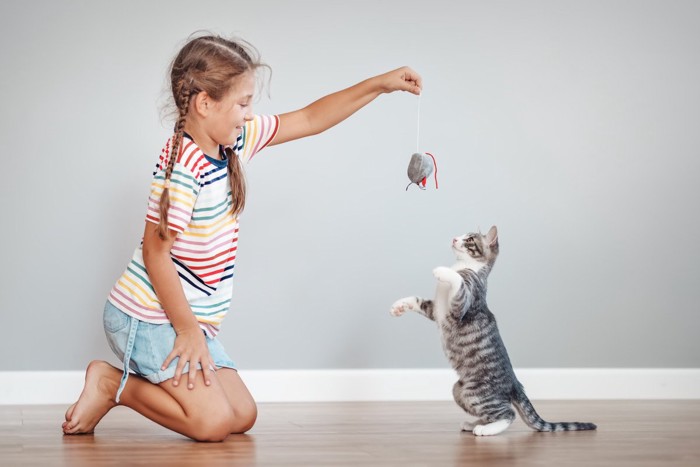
x: 256, y: 135
x: 184, y: 189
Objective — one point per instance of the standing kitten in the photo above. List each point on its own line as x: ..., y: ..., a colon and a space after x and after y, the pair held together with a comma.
x: 487, y: 385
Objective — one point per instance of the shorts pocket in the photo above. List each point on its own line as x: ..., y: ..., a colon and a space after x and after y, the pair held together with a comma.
x: 116, y: 324
x: 114, y: 319
x: 152, y: 345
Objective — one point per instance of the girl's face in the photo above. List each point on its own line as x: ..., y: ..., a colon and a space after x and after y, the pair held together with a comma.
x: 227, y: 117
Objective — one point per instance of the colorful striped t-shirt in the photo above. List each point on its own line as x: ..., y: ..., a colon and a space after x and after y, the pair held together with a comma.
x: 204, y: 251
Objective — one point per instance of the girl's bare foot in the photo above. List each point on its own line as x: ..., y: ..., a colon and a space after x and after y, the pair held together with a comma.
x: 97, y: 398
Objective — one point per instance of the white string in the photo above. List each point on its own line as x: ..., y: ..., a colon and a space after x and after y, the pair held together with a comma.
x: 418, y: 126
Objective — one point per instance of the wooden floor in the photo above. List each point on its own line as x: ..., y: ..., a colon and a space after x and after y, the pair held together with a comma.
x: 630, y: 433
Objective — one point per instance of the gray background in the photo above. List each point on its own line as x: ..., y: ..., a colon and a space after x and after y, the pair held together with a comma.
x: 572, y: 126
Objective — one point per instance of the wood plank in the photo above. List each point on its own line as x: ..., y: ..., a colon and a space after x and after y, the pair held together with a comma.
x: 630, y: 433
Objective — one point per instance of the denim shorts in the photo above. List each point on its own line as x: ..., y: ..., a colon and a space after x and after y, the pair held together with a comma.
x: 143, y: 347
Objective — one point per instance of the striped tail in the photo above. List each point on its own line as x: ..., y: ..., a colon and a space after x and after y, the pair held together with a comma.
x: 534, y: 421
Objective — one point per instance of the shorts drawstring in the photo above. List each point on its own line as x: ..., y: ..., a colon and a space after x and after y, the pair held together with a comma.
x: 133, y: 326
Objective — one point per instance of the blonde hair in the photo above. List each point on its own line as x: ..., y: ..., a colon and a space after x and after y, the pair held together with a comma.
x: 210, y: 64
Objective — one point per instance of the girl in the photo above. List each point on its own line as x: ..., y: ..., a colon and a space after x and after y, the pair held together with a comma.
x: 163, y: 314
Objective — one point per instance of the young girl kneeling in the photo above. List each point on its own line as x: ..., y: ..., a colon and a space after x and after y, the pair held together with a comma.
x: 163, y: 314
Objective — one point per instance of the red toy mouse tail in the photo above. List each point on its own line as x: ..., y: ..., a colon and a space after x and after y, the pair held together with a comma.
x: 435, y: 165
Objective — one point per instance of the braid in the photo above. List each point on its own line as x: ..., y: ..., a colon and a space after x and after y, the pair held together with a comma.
x: 183, y: 94
x: 237, y: 182
x: 208, y: 64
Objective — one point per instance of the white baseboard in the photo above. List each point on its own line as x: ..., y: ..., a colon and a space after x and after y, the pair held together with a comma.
x: 63, y: 387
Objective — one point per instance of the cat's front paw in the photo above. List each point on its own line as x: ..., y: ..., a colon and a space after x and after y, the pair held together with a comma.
x: 401, y: 306
x: 448, y: 275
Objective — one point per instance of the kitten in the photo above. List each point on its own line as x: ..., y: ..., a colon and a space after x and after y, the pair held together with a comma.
x: 487, y: 385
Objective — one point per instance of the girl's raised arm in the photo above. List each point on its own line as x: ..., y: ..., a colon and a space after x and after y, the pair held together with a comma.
x: 334, y: 108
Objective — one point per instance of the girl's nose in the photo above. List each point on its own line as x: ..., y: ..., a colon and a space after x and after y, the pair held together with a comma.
x: 248, y: 117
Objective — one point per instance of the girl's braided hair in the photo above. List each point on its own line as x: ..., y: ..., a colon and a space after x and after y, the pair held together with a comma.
x: 210, y: 64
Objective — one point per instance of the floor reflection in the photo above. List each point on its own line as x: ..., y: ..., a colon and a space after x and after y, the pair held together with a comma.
x: 171, y: 450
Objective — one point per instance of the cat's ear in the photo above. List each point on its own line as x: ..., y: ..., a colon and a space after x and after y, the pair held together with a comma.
x: 492, y: 237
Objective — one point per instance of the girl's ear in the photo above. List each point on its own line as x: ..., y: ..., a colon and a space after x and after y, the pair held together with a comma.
x: 202, y: 103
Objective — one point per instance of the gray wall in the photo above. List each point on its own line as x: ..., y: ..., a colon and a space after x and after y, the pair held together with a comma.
x: 573, y: 126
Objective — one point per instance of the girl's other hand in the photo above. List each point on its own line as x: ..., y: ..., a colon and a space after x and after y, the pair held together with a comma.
x: 191, y: 347
x: 402, y: 79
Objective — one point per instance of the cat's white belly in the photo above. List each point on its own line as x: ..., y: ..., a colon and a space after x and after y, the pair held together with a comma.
x: 441, y: 305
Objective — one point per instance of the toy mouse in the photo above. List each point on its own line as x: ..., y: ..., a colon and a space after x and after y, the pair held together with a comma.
x: 419, y: 169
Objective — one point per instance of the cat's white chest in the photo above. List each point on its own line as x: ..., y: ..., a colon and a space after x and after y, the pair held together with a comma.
x: 449, y: 282
x: 443, y: 296
x: 441, y: 302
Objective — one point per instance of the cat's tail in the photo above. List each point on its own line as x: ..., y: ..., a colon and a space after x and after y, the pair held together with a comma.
x: 534, y: 421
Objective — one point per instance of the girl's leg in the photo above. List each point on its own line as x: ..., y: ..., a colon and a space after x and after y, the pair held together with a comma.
x: 203, y: 413
x: 239, y: 398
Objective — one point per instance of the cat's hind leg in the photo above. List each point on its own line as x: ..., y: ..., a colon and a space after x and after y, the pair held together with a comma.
x: 491, y: 429
x: 495, y: 423
x: 457, y: 393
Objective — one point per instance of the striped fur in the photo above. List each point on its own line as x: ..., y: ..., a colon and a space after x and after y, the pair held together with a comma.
x: 487, y: 387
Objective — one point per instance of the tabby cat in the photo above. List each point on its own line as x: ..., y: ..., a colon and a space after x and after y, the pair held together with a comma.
x: 487, y: 387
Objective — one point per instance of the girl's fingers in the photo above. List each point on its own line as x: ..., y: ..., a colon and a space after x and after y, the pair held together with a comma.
x: 179, y: 369
x: 404, y: 79
x: 207, y: 364
x: 194, y: 357
x: 192, y: 374
x: 412, y: 77
x: 206, y: 370
x: 168, y: 360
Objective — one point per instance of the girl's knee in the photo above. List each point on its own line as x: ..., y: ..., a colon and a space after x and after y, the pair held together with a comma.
x: 213, y: 428
x: 210, y: 435
x: 245, y: 416
x: 217, y: 426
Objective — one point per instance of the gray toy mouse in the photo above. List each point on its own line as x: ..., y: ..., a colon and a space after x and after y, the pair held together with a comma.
x: 419, y: 169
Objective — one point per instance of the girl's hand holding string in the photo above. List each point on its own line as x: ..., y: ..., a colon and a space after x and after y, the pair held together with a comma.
x: 401, y: 79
